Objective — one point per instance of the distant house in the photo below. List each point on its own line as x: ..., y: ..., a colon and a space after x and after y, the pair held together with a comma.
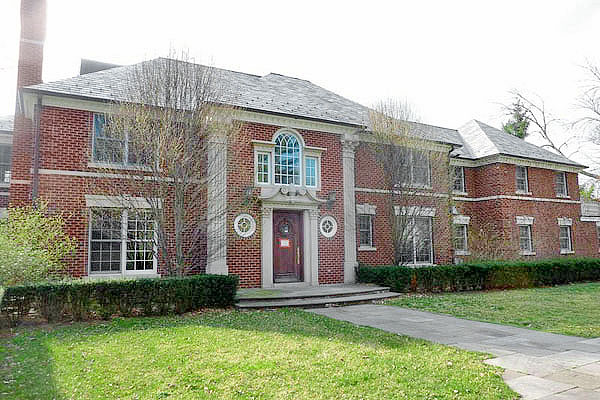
x: 304, y: 154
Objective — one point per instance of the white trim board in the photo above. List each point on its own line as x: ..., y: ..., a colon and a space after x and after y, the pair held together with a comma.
x: 504, y: 159
x: 507, y: 197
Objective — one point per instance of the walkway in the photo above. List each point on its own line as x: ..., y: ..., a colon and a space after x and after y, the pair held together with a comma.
x: 538, y: 365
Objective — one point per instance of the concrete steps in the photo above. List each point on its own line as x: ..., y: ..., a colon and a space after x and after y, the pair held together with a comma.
x: 314, y: 297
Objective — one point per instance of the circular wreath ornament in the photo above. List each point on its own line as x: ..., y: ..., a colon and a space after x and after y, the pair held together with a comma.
x: 328, y: 226
x: 244, y: 225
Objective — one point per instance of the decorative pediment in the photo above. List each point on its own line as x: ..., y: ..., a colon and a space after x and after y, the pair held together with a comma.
x: 290, y: 196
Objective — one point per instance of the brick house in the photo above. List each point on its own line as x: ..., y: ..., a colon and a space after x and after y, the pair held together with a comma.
x: 314, y: 222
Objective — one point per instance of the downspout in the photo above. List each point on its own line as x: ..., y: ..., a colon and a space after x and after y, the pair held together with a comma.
x: 37, y: 111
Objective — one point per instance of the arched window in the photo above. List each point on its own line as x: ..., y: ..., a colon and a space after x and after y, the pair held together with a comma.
x: 287, y: 159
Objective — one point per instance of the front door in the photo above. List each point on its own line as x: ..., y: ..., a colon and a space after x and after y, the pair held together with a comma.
x: 287, y: 246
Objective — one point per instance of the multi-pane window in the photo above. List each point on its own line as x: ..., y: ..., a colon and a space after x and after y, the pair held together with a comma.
x: 564, y: 238
x: 105, y: 241
x: 5, y: 161
x: 460, y: 237
x: 459, y: 179
x: 521, y: 177
x: 263, y: 170
x: 140, y: 241
x: 287, y: 160
x: 365, y: 229
x: 112, y: 148
x: 561, y: 184
x: 121, y: 238
x: 525, y: 242
x: 420, y: 173
x: 311, y: 171
x: 417, y: 241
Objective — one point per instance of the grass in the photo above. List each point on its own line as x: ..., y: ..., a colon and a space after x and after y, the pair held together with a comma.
x: 569, y: 309
x: 235, y: 355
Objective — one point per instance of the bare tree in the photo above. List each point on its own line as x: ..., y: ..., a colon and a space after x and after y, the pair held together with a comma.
x: 589, y: 103
x: 409, y: 170
x: 168, y: 134
x: 557, y: 135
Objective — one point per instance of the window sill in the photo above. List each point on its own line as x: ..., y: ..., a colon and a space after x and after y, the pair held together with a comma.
x: 418, y: 265
x: 527, y: 253
x: 367, y: 248
x: 560, y: 196
x: 119, y: 166
x: 4, y: 185
x: 567, y: 252
x: 462, y: 253
x: 458, y: 193
x: 119, y: 275
x: 523, y: 193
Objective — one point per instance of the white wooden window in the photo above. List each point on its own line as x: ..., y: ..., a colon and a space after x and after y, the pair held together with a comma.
x: 311, y: 171
x: 417, y: 242
x: 561, y: 184
x: 121, y: 242
x: 521, y: 177
x: 525, y: 240
x: 461, y: 237
x: 287, y: 160
x: 5, y: 162
x: 263, y: 169
x: 365, y: 229
x: 566, y: 244
x: 459, y: 179
x: 416, y: 169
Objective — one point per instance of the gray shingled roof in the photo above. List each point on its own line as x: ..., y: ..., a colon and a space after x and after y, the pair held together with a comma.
x: 6, y: 123
x: 481, y: 140
x: 279, y: 94
x: 272, y: 93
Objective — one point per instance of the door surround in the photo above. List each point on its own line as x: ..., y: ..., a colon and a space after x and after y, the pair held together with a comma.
x: 307, y: 204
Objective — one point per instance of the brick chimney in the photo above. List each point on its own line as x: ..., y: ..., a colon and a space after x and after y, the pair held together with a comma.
x: 31, y: 48
x: 25, y: 151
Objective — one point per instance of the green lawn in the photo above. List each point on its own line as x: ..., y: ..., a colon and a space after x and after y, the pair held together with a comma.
x: 568, y: 309
x: 235, y: 355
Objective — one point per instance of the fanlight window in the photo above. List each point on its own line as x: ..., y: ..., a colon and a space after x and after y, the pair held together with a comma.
x: 287, y: 160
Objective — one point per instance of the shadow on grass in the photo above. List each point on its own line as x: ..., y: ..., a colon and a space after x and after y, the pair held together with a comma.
x: 32, y: 348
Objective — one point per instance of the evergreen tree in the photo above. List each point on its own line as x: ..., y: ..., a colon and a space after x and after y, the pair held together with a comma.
x: 519, y: 122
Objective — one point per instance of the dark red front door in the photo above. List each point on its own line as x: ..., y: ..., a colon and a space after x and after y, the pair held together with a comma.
x: 287, y: 246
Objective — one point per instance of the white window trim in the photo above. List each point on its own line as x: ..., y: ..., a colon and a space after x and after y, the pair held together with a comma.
x: 366, y: 209
x: 570, y: 249
x: 531, y: 251
x: 268, y: 147
x: 524, y: 220
x: 415, y: 211
x: 333, y: 229
x: 526, y: 191
x: 431, y: 253
x: 465, y: 251
x: 564, y: 195
x: 123, y: 272
x: 565, y: 221
x: 367, y: 247
x: 462, y: 192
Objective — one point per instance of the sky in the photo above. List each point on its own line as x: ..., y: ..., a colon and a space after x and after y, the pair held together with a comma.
x: 452, y: 60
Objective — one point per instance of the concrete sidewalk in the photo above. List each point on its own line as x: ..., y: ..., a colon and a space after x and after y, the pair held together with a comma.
x: 538, y: 365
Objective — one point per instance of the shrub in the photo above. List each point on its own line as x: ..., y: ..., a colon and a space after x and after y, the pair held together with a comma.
x: 482, y: 275
x: 33, y: 245
x: 83, y: 299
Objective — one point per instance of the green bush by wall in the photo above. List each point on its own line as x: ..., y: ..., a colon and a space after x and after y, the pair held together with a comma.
x: 80, y: 300
x: 482, y: 275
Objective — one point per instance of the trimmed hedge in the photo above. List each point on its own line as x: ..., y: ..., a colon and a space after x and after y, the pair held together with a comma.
x: 84, y: 299
x: 482, y: 275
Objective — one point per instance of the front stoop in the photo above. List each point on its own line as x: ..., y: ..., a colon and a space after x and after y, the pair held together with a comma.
x: 311, y: 297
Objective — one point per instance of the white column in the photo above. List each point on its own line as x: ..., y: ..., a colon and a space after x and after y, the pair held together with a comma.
x: 216, y: 233
x: 350, y: 263
x: 267, y: 247
x: 313, y: 216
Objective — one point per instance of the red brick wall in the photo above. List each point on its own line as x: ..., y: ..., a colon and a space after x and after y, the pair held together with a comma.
x: 369, y: 173
x: 499, y: 179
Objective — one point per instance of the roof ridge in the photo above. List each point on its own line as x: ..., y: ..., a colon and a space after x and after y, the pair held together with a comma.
x: 208, y: 66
